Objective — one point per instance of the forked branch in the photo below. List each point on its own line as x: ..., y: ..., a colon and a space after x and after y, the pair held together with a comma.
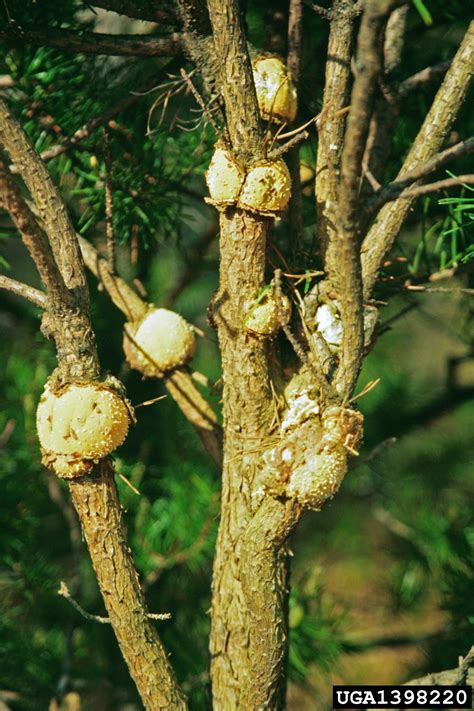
x: 428, y: 142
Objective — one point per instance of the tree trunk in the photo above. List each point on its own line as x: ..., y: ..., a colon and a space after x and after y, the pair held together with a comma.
x: 249, y: 627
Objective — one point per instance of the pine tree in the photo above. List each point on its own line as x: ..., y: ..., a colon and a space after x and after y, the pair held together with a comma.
x: 107, y: 142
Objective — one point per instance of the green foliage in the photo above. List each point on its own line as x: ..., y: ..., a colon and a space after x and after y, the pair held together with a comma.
x: 449, y: 241
x: 423, y: 12
x: 316, y: 629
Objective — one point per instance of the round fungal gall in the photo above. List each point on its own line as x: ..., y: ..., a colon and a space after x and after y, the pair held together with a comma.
x: 224, y: 178
x: 79, y: 425
x: 276, y: 93
x: 266, y: 317
x: 161, y: 341
x: 267, y: 188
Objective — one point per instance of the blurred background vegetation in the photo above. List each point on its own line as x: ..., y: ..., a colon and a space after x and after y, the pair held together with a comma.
x: 382, y: 577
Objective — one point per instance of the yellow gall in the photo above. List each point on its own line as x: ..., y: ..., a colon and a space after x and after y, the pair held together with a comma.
x: 79, y: 425
x: 267, y: 316
x: 224, y: 178
x: 276, y: 93
x: 267, y: 188
x: 161, y: 341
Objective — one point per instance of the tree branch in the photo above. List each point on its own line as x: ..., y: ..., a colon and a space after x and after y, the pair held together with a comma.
x: 96, y: 43
x: 387, y: 104
x: 331, y: 126
x: 463, y: 674
x: 346, y: 274
x: 33, y: 237
x: 179, y: 383
x: 38, y: 298
x: 435, y: 187
x: 293, y: 62
x: 369, y: 65
x: 423, y: 77
x: 95, y: 497
x: 141, y: 9
x: 51, y: 209
x: 428, y: 142
x: 397, y: 187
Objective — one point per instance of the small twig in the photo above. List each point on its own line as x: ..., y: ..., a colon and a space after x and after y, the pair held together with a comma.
x: 395, y: 526
x: 7, y: 432
x: 109, y: 209
x: 376, y: 451
x: 396, y: 187
x: 366, y: 389
x: 281, y: 150
x: 297, y: 347
x: 128, y: 483
x: 321, y: 11
x: 200, y: 101
x: 64, y: 592
x: 423, y: 77
x: 438, y: 289
x: 150, y: 402
x: 435, y: 187
x: 38, y: 298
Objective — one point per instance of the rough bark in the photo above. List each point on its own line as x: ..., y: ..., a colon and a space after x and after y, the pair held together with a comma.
x: 293, y: 63
x: 332, y: 122
x: 346, y: 276
x: 96, y: 501
x: 240, y: 678
x: 248, y: 634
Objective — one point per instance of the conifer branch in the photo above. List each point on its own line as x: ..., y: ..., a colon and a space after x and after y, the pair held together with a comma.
x: 179, y: 384
x: 38, y: 298
x: 428, y: 142
x: 346, y: 275
x: 33, y: 237
x: 94, y: 42
x: 95, y: 497
x: 397, y: 187
x: 410, y: 84
x: 141, y: 9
